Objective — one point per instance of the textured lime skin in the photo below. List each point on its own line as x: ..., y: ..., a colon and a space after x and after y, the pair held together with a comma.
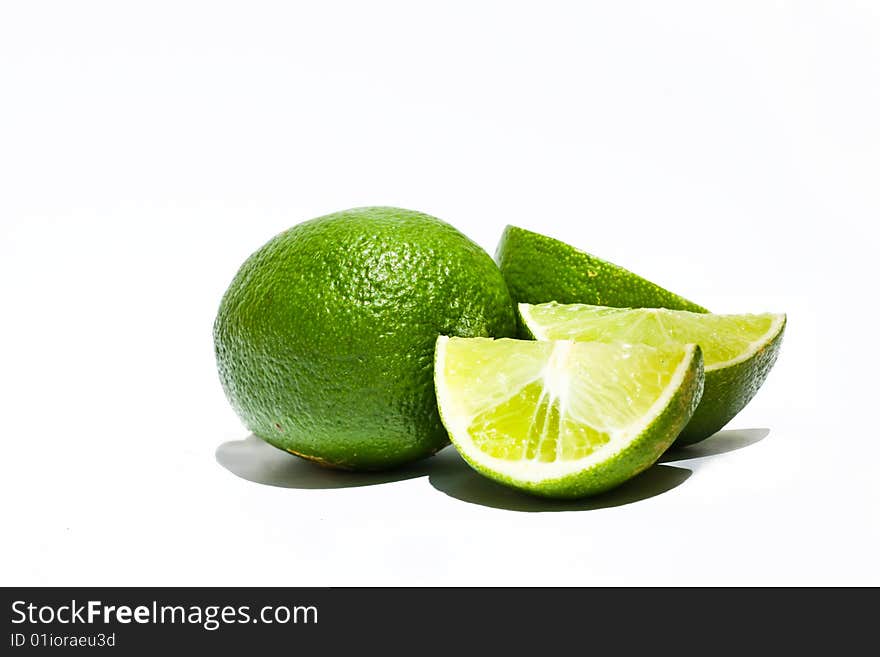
x: 539, y: 269
x: 636, y: 457
x: 728, y: 390
x: 325, y: 338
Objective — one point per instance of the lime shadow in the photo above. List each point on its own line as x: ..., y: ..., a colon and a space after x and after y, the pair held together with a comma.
x: 257, y: 461
x: 721, y: 443
x: 451, y: 475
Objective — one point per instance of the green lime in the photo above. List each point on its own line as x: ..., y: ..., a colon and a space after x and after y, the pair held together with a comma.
x: 739, y: 350
x: 540, y: 269
x: 563, y: 418
x: 325, y: 338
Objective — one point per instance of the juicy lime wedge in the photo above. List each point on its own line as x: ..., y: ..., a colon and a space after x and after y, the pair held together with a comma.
x: 539, y: 269
x: 738, y: 350
x: 564, y: 418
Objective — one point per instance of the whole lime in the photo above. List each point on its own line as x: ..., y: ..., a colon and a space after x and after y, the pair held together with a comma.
x: 325, y: 338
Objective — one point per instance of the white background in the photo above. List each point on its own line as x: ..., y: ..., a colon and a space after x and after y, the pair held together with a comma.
x: 728, y: 151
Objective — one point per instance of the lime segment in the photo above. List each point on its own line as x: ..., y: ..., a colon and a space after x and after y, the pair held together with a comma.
x: 738, y: 350
x: 564, y: 418
x: 540, y: 269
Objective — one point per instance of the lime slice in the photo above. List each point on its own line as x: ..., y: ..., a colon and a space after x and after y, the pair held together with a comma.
x: 738, y: 350
x: 540, y: 269
x: 564, y: 418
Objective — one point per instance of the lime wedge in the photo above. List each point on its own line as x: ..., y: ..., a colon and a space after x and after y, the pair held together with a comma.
x: 539, y: 269
x: 562, y: 418
x: 738, y: 350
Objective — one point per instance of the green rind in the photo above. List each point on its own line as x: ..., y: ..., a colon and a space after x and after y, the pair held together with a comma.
x: 539, y: 269
x: 728, y: 390
x: 325, y: 338
x: 636, y: 457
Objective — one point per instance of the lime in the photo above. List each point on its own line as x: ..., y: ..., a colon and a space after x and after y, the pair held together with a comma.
x: 564, y: 418
x: 540, y: 269
x: 325, y: 338
x: 739, y: 350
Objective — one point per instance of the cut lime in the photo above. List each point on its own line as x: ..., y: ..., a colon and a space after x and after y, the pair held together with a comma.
x: 539, y: 269
x: 563, y: 418
x: 738, y: 350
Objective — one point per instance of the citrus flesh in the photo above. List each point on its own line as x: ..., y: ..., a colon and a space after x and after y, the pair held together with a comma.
x: 561, y: 418
x: 540, y: 269
x: 325, y: 338
x: 738, y: 350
